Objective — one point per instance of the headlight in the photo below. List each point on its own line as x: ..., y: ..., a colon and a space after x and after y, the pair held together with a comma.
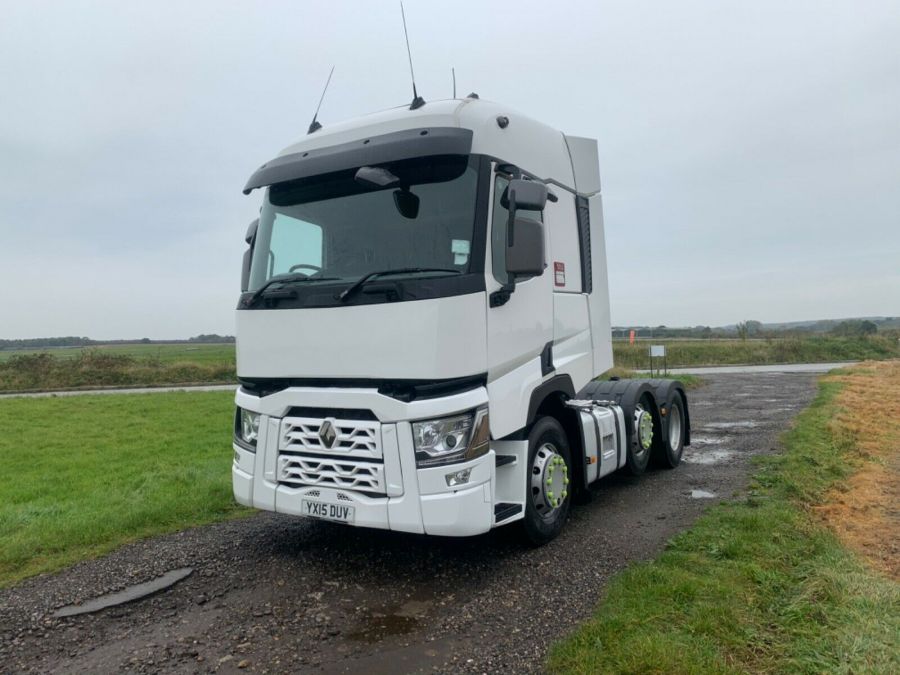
x: 246, y: 428
x: 451, y: 439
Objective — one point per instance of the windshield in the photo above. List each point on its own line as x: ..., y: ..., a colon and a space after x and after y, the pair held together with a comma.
x: 341, y: 226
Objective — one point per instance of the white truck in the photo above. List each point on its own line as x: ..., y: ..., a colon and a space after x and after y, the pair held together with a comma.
x: 424, y: 311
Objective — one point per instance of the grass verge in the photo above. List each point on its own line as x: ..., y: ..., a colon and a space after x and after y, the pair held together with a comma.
x: 757, y: 585
x: 689, y: 381
x: 85, y: 474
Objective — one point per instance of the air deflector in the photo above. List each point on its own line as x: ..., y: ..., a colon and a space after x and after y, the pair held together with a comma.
x: 406, y: 144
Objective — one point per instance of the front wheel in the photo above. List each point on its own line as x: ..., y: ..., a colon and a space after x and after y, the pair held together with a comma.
x: 547, y: 482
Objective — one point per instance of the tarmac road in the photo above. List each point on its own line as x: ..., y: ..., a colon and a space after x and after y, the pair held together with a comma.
x: 277, y: 594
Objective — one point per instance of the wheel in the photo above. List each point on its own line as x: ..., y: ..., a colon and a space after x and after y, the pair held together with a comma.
x: 641, y: 445
x: 669, y: 455
x: 547, y: 489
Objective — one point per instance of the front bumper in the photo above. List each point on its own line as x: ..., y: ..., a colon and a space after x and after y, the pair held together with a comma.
x: 413, y: 499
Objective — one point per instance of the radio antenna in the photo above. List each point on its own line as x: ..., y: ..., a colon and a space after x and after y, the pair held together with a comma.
x: 315, y: 125
x: 453, y: 70
x: 417, y: 101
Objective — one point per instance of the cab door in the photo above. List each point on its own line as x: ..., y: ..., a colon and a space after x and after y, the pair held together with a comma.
x: 518, y: 328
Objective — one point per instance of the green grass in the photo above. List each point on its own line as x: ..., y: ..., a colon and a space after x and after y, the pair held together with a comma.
x: 812, y: 349
x: 756, y: 585
x: 83, y: 475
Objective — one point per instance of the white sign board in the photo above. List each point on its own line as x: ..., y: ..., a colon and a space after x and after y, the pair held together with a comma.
x: 657, y: 350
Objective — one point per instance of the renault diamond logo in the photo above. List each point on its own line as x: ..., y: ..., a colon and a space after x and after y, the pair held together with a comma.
x: 328, y: 434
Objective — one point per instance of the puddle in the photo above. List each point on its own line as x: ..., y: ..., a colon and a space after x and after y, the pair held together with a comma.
x: 376, y: 626
x: 413, y: 608
x: 746, y: 424
x: 131, y: 593
x: 706, y: 440
x: 708, y: 457
x: 702, y: 494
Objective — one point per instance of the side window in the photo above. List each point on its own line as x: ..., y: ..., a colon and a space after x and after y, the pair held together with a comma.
x: 499, y: 221
x: 294, y: 242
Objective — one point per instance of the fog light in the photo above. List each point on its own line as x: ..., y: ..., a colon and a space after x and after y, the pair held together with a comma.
x: 458, y: 477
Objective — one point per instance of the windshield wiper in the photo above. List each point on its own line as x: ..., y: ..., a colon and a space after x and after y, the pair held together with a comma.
x: 282, y: 279
x: 363, y: 280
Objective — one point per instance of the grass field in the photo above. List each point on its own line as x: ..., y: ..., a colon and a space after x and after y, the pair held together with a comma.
x: 812, y: 349
x: 147, y: 365
x: 165, y: 353
x: 134, y: 365
x: 763, y: 584
x: 83, y: 475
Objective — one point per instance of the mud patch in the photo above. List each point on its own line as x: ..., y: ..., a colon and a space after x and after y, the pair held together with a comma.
x: 129, y: 594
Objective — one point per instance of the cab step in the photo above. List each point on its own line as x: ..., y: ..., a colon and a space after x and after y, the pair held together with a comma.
x: 505, y: 511
x: 502, y: 460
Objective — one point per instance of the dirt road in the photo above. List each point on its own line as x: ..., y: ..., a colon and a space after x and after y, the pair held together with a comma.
x: 277, y: 594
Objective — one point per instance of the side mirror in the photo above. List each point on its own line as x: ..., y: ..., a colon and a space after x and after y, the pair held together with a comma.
x: 250, y: 238
x: 251, y: 231
x: 525, y: 254
x: 528, y: 195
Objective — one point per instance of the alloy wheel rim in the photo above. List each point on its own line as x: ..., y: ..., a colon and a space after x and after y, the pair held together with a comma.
x: 549, y: 481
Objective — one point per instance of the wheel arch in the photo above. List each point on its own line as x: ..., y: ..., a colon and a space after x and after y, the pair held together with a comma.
x: 549, y: 400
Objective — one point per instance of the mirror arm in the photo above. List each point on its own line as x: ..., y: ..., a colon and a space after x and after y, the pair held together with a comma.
x: 501, y: 296
x: 510, y: 224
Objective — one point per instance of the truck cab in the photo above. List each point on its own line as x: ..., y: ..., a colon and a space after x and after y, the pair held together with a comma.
x: 424, y: 309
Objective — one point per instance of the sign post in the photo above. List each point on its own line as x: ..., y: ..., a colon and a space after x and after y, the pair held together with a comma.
x: 658, y: 352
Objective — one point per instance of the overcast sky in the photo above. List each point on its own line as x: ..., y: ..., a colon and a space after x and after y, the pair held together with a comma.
x: 750, y: 151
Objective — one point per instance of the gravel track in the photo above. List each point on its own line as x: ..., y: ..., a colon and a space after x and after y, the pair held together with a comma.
x: 277, y: 594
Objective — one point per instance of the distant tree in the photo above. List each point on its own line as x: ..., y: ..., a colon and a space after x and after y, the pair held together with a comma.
x: 855, y: 327
x: 742, y: 330
x: 868, y: 327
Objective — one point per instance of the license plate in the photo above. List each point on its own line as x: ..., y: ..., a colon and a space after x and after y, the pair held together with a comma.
x: 338, y: 512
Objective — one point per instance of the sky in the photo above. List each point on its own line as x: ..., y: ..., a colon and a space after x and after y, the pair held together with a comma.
x: 749, y: 151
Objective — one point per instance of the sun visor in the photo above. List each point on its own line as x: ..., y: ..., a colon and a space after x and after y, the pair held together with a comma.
x: 399, y: 145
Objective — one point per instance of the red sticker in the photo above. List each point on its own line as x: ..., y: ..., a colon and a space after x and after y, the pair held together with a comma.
x: 559, y: 274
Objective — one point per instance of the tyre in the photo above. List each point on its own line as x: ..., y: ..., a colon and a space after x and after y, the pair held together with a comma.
x: 669, y: 454
x: 547, y: 498
x: 646, y: 427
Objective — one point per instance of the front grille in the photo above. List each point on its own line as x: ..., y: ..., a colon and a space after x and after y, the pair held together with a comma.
x: 326, y: 472
x: 353, y: 438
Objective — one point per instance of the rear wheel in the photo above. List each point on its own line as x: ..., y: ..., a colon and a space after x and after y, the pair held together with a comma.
x: 645, y: 428
x: 677, y: 427
x: 547, y: 488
